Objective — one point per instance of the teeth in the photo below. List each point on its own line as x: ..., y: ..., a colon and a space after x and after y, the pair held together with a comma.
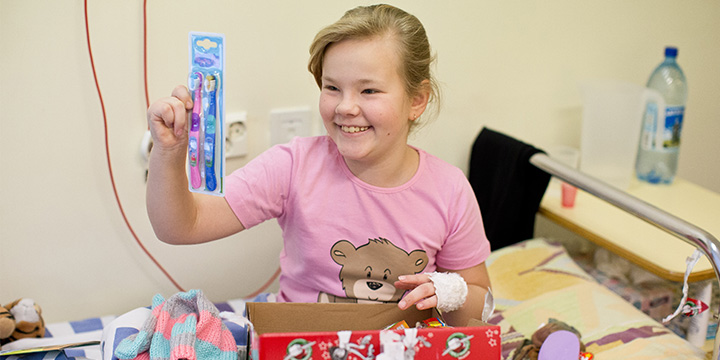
x: 354, y: 129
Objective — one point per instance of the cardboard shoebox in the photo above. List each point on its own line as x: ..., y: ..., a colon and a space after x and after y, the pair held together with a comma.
x: 305, y: 331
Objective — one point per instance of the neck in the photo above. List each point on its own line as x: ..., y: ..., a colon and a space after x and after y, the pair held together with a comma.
x: 390, y: 172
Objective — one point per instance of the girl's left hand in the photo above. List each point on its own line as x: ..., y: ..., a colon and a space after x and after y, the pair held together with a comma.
x: 422, y: 292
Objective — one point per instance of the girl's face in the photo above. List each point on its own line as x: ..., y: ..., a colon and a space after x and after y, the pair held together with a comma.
x: 365, y: 108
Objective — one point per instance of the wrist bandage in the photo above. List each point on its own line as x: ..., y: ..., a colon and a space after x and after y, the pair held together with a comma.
x: 451, y: 290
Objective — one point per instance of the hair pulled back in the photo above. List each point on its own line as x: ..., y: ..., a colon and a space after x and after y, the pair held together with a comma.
x: 381, y: 20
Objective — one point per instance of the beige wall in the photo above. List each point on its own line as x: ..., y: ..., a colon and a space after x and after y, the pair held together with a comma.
x: 511, y: 65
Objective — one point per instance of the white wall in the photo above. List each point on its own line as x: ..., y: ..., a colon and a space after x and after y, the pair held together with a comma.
x: 511, y: 65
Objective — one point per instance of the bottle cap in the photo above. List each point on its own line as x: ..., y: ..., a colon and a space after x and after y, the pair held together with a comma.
x: 671, y: 51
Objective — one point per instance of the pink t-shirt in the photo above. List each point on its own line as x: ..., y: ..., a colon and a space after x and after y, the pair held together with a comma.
x: 347, y: 241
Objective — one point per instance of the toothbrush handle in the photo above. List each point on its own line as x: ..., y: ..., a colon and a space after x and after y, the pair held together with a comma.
x: 210, y: 182
x: 209, y: 148
x: 195, y: 179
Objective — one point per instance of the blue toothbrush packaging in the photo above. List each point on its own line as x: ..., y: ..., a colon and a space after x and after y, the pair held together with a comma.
x: 206, y: 144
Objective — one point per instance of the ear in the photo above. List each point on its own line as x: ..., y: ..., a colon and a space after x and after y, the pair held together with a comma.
x: 419, y: 259
x: 341, y: 251
x: 420, y: 100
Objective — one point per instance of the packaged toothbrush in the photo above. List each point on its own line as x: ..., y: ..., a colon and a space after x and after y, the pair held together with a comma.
x: 206, y: 144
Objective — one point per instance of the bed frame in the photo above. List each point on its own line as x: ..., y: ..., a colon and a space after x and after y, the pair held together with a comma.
x: 680, y: 228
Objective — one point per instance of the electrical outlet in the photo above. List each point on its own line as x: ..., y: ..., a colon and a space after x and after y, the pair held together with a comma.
x: 235, y: 135
x: 285, y: 124
x: 146, y: 145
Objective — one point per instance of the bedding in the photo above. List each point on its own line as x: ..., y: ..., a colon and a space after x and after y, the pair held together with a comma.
x: 536, y: 280
x: 533, y: 281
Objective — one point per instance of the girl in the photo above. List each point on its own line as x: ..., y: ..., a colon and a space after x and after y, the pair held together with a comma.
x: 365, y: 216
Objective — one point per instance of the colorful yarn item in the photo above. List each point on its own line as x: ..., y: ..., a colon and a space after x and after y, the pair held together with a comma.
x: 185, y: 326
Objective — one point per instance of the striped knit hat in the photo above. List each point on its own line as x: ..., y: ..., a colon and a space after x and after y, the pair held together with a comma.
x: 185, y: 326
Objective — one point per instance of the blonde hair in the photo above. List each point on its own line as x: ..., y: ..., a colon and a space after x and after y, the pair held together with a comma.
x: 378, y: 20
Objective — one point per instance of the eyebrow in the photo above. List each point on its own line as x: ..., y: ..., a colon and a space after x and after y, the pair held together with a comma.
x: 361, y: 81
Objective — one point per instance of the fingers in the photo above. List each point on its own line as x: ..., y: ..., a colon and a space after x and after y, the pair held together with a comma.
x: 182, y: 93
x: 408, y: 282
x: 422, y: 294
x: 423, y: 297
x: 169, y: 113
x: 168, y: 117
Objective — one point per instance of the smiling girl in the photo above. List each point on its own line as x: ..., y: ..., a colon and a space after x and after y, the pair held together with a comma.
x: 365, y: 216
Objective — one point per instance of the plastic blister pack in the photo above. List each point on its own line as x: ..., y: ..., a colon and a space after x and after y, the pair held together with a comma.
x: 206, y: 145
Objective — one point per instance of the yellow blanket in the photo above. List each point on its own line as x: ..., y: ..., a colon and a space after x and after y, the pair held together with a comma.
x: 535, y: 280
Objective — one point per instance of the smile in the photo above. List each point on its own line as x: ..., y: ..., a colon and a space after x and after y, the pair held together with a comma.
x: 354, y: 129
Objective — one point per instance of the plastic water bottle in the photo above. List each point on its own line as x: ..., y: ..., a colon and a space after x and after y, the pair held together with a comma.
x: 657, y: 156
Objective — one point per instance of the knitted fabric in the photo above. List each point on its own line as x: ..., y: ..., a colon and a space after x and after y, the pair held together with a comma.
x: 185, y: 326
x: 451, y: 290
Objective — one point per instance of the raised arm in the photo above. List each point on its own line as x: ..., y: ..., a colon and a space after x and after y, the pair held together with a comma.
x: 177, y: 215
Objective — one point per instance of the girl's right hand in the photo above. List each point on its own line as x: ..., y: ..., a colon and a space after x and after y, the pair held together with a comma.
x: 168, y: 119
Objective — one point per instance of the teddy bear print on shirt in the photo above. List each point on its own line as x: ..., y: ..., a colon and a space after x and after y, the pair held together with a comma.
x: 369, y: 272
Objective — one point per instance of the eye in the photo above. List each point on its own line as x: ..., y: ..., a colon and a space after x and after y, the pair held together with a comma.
x: 387, y: 273
x: 370, y: 91
x: 331, y: 88
x: 369, y: 271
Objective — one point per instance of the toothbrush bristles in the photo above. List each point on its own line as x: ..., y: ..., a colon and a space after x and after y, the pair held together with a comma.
x: 196, y: 81
x: 210, y: 82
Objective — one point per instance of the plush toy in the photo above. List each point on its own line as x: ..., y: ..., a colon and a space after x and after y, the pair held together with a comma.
x: 532, y: 349
x: 21, y: 319
x: 7, y: 324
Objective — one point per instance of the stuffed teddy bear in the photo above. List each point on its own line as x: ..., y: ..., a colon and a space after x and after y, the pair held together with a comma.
x: 21, y: 319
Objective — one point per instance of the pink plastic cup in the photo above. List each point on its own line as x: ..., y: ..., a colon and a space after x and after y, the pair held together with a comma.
x: 568, y: 195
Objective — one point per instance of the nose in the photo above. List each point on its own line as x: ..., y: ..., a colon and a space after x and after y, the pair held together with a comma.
x: 374, y: 285
x: 348, y: 106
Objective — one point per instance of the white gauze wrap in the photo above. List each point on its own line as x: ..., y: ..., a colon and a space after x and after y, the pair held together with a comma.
x: 451, y: 290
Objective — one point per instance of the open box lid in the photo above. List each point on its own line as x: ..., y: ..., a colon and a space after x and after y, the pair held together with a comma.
x: 317, y: 317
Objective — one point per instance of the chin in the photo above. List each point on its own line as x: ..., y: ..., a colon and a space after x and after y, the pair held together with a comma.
x: 352, y: 154
x: 351, y: 150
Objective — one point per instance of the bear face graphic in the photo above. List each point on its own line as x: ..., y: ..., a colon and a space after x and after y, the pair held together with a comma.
x: 369, y: 271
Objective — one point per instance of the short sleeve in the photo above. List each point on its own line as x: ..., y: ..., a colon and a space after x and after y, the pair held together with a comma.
x: 466, y: 245
x: 257, y: 191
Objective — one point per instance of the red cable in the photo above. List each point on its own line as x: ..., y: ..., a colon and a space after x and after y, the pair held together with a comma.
x: 266, y: 285
x: 107, y: 150
x: 107, y: 154
x: 147, y: 102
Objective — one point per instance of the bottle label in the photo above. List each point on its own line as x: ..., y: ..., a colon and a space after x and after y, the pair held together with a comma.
x: 673, y: 126
x: 649, y: 130
x: 661, y: 136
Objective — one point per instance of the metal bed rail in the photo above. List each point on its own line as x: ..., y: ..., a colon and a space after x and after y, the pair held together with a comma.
x: 680, y: 228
